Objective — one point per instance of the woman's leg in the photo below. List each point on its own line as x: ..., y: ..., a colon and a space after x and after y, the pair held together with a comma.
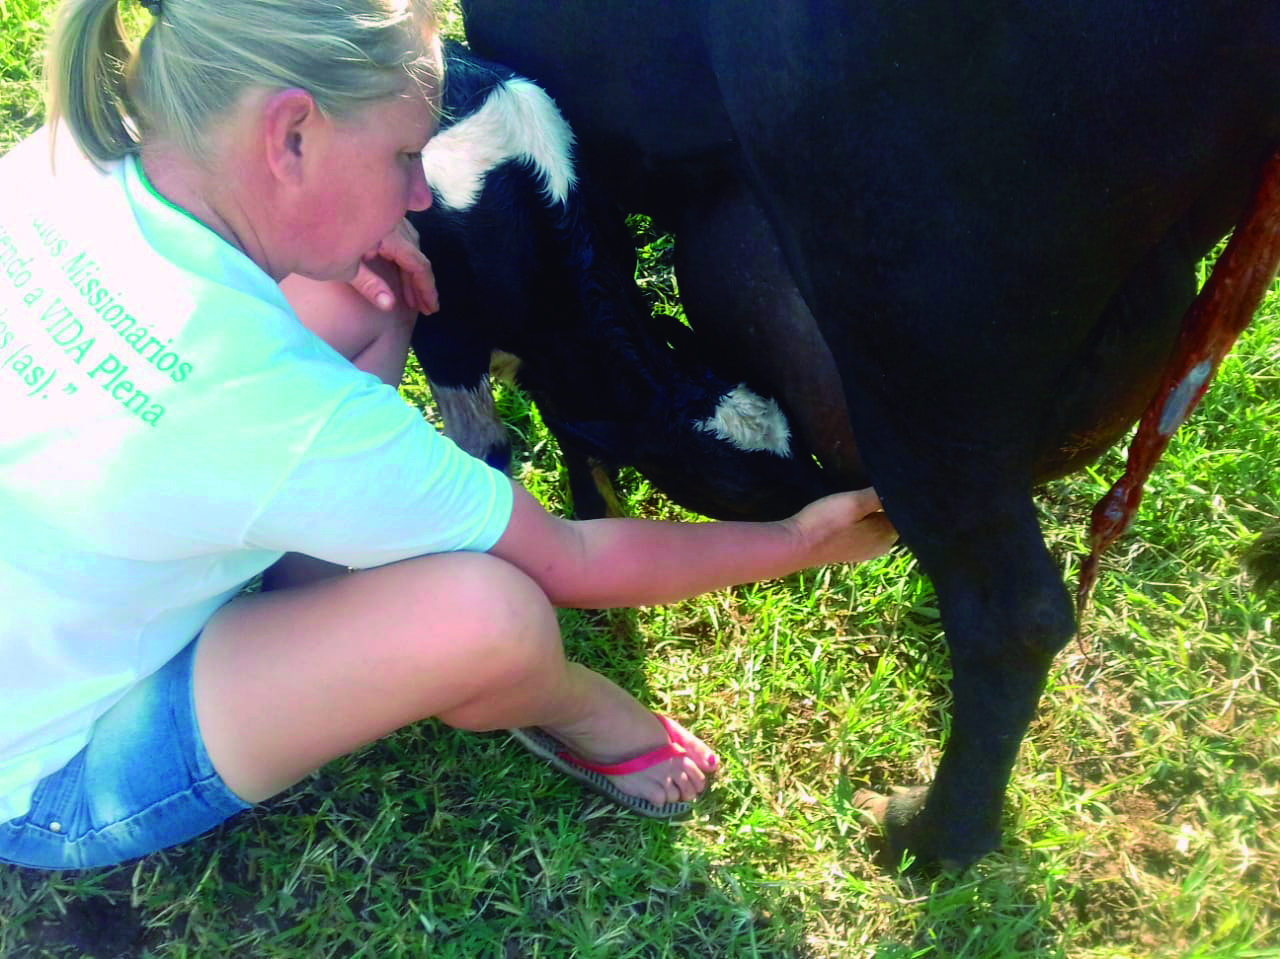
x: 374, y: 340
x: 286, y: 681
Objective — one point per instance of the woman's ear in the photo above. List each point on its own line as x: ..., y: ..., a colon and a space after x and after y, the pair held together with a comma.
x: 289, y: 124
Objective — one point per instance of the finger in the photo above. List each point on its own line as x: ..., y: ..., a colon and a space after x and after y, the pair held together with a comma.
x: 373, y: 288
x: 881, y: 536
x: 868, y: 500
x: 419, y: 278
x: 423, y: 284
x: 416, y: 277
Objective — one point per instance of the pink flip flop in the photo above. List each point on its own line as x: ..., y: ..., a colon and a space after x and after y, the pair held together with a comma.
x: 544, y: 745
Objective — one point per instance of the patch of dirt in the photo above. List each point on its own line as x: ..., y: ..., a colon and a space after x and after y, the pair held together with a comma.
x: 94, y: 928
x: 1117, y: 887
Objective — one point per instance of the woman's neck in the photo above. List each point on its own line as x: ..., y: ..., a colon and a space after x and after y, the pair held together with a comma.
x: 218, y: 200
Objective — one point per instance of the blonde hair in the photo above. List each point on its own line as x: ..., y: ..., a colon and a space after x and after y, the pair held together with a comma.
x: 198, y: 57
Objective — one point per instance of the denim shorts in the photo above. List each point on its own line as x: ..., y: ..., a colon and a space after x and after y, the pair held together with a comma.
x: 144, y: 782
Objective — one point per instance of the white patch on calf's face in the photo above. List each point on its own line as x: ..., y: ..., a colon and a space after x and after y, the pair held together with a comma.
x: 518, y: 121
x: 749, y: 422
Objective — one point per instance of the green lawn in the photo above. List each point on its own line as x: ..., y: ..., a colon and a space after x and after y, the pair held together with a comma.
x: 1141, y: 822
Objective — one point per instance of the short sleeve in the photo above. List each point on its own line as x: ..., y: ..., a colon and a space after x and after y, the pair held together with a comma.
x: 379, y: 484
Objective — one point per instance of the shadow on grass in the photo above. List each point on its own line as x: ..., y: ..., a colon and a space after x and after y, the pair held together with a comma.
x: 428, y: 843
x: 998, y: 908
x: 634, y: 896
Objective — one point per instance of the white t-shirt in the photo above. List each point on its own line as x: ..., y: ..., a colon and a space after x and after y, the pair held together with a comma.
x: 167, y: 430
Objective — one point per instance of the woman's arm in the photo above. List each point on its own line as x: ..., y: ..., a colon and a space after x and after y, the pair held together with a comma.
x: 603, y: 563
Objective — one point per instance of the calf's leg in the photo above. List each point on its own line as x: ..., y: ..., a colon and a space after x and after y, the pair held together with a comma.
x: 455, y: 354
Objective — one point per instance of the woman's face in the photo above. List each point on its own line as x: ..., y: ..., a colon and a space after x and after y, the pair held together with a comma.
x: 365, y: 172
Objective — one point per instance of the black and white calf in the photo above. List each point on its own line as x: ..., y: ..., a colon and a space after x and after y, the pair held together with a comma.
x: 528, y: 263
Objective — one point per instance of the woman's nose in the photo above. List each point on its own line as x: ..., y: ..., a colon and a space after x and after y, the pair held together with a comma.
x: 419, y: 191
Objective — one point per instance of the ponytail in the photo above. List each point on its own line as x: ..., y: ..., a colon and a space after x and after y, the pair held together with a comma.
x: 84, y: 78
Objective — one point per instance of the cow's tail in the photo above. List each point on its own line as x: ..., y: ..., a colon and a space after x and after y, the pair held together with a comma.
x: 1217, y: 316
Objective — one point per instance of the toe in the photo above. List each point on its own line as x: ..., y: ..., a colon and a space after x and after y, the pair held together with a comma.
x: 661, y: 793
x: 673, y: 791
x: 685, y: 786
x: 698, y: 751
x: 690, y: 781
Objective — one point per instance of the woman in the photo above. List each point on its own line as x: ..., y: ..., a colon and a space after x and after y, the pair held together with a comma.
x: 172, y: 429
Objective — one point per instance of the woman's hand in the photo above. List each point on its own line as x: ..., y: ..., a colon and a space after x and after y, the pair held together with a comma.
x: 417, y: 283
x: 843, y: 528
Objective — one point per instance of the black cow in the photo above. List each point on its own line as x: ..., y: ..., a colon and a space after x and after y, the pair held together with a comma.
x: 989, y: 212
x: 528, y: 265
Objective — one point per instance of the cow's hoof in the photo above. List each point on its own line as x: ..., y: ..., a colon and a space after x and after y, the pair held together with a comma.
x: 1262, y: 561
x: 903, y: 817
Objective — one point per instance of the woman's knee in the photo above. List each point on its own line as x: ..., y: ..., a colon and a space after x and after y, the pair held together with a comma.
x: 517, y: 607
x: 511, y: 615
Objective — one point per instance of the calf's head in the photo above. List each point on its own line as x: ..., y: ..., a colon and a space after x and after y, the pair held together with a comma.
x: 529, y: 262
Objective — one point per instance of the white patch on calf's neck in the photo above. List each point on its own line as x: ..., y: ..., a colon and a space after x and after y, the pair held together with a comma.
x: 749, y: 422
x: 518, y: 121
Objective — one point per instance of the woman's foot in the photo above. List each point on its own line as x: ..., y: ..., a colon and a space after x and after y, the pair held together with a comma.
x: 602, y: 735
x: 672, y: 769
x: 659, y: 782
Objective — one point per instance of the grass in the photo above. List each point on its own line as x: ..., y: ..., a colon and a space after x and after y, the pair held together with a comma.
x: 1142, y: 820
x: 20, y: 39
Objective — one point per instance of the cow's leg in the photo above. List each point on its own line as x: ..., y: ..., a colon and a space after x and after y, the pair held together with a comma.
x: 471, y: 420
x: 1006, y: 613
x: 1003, y: 609
x: 943, y: 350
